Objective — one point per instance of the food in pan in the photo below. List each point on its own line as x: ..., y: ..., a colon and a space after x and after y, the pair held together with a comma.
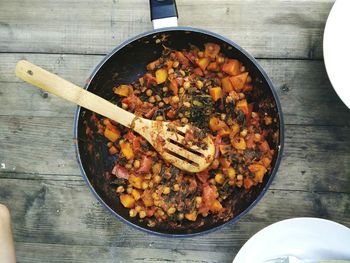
x: 212, y: 92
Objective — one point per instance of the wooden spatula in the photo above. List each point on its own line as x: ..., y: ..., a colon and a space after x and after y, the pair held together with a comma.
x: 167, y: 138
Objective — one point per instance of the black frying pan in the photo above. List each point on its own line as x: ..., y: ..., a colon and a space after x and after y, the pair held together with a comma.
x: 125, y: 64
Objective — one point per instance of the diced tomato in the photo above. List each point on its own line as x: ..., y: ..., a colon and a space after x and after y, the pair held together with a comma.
x: 150, y: 79
x: 217, y: 143
x: 198, y: 72
x: 249, y: 139
x: 182, y: 59
x: 150, y: 113
x: 133, y: 102
x: 264, y: 146
x: 152, y: 65
x: 146, y: 163
x: 192, y: 185
x: 208, y: 198
x: 247, y: 182
x: 170, y: 114
x: 249, y: 114
x: 211, y: 50
x: 120, y: 172
x: 203, y: 176
x: 174, y: 86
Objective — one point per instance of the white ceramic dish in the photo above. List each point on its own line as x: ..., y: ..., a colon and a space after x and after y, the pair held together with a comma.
x: 336, y: 49
x: 306, y: 238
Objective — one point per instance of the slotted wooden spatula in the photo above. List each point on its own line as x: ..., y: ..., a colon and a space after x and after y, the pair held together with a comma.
x: 167, y: 138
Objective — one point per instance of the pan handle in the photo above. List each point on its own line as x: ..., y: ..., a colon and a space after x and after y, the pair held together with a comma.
x: 163, y: 13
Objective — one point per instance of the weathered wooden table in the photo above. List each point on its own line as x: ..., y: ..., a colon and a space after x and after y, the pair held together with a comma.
x: 56, y: 218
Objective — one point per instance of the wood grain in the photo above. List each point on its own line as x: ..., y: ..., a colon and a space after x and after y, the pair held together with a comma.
x: 269, y: 29
x: 55, y: 216
x: 61, y: 213
x: 316, y: 158
x: 306, y: 94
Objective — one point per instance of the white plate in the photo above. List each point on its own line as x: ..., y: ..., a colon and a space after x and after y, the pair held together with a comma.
x: 336, y: 49
x: 304, y: 237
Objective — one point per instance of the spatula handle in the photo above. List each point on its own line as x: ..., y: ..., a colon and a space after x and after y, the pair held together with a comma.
x: 68, y: 91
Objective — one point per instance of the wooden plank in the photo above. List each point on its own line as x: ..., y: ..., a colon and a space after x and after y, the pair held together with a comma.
x: 306, y: 94
x: 65, y: 213
x: 265, y: 28
x: 37, y: 252
x: 315, y: 158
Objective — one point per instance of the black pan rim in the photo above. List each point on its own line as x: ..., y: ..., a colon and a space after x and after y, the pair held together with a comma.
x: 281, y: 132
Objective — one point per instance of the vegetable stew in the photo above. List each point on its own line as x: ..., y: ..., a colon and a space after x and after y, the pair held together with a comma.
x: 216, y: 94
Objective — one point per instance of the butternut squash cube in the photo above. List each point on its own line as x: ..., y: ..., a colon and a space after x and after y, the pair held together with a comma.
x: 238, y: 81
x: 226, y: 84
x: 232, y: 67
x: 258, y: 170
x: 127, y: 200
x: 203, y: 63
x: 112, y: 133
x: 239, y: 144
x: 243, y: 106
x: 191, y: 216
x: 215, y: 93
x: 161, y: 75
x: 216, y: 206
x: 135, y: 181
x: 122, y: 90
x: 127, y: 151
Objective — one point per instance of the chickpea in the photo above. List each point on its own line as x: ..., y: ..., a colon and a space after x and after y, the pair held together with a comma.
x: 120, y: 189
x: 132, y: 213
x: 239, y: 177
x: 157, y: 179
x: 198, y: 201
x: 159, y: 118
x: 149, y: 92
x: 170, y: 71
x: 144, y: 185
x: 219, y: 178
x: 171, y: 210
x: 187, y: 85
x: 165, y: 89
x: 222, y: 116
x: 137, y: 164
x: 175, y: 99
x: 158, y: 98
x: 142, y: 214
x: 181, y: 90
x: 124, y: 106
x: 187, y: 104
x: 176, y: 64
x: 161, y: 104
x: 180, y: 216
x: 199, y: 84
x: 176, y: 187
x: 244, y: 133
x: 166, y: 190
x: 184, y: 120
x: 152, y: 99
